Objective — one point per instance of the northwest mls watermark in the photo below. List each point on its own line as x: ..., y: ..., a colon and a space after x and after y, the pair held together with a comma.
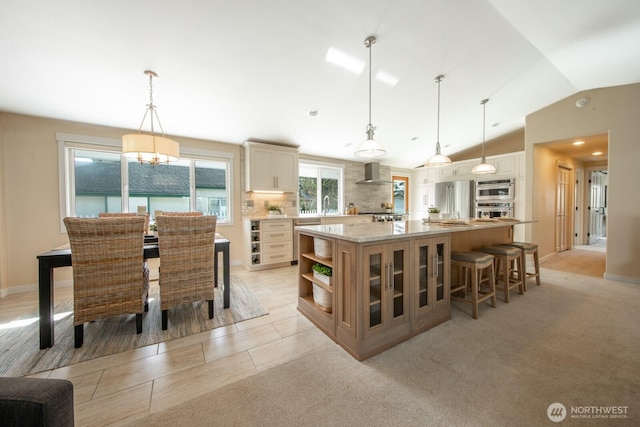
x: 557, y: 412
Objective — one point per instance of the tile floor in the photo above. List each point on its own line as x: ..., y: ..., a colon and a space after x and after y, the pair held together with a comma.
x: 119, y: 388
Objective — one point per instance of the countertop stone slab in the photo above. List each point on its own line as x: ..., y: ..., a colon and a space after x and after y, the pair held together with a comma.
x: 377, y: 231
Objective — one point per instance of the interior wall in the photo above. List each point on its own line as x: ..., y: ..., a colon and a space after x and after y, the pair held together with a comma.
x: 30, y: 220
x: 510, y: 143
x: 3, y: 228
x: 614, y: 110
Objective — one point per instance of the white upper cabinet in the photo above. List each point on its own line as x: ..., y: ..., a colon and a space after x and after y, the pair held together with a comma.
x: 270, y: 167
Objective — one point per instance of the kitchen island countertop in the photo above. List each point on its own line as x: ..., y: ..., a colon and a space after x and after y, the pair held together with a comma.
x: 375, y: 231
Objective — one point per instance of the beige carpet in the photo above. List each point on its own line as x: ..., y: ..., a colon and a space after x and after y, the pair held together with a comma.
x: 574, y: 340
x: 20, y: 352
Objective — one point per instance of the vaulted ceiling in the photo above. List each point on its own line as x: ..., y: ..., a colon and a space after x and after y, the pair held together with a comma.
x: 253, y: 69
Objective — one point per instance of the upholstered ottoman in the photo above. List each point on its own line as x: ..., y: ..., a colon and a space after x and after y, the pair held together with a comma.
x: 35, y: 402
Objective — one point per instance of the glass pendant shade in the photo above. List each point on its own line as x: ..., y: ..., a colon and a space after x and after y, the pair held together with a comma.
x: 370, y: 147
x: 149, y: 147
x: 438, y: 160
x: 483, y: 167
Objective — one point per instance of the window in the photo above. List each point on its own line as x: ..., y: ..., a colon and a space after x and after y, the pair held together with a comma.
x: 320, y: 188
x: 400, y: 195
x: 98, y: 178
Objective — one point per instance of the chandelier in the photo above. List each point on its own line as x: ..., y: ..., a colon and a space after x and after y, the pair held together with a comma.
x: 149, y: 147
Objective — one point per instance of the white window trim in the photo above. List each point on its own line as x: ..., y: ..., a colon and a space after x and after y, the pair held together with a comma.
x: 341, y: 187
x: 67, y: 140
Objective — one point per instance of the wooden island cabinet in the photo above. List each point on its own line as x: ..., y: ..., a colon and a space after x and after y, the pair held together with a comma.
x: 390, y: 281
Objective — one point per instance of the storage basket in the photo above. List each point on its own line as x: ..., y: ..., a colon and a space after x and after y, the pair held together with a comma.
x: 322, y: 298
x: 322, y: 248
x: 322, y: 278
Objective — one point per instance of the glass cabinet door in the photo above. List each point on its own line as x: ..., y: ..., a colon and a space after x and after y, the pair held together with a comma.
x: 374, y: 284
x: 438, y: 264
x: 398, y: 282
x: 423, y: 276
x: 431, y: 262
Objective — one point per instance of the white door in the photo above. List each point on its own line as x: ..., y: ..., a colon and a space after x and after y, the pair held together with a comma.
x: 562, y: 210
x: 596, y: 207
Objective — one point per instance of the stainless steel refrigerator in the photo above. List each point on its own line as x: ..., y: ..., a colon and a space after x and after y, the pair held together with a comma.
x: 455, y: 199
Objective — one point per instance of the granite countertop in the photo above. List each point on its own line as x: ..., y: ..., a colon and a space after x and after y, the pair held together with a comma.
x: 375, y: 231
x: 264, y: 217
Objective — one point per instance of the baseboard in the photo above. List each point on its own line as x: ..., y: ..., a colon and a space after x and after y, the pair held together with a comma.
x: 32, y: 288
x: 625, y: 279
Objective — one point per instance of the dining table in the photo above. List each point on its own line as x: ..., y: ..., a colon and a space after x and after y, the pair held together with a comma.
x: 61, y: 257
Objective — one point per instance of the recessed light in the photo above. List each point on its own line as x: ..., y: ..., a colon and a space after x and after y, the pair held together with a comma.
x: 312, y: 113
x: 578, y: 142
x: 597, y: 153
x: 344, y: 60
x: 415, y: 138
x: 496, y: 124
x: 387, y: 78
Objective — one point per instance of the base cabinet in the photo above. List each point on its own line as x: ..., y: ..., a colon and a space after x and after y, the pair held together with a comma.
x: 386, y: 284
x: 432, y: 279
x: 376, y: 291
x: 270, y: 243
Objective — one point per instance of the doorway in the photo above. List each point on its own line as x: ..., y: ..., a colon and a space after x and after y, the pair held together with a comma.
x: 399, y: 194
x: 598, y: 183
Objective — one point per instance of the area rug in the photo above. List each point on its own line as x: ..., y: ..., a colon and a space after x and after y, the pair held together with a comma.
x: 20, y: 352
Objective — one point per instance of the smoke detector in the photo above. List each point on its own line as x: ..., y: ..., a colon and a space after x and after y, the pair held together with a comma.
x: 582, y: 102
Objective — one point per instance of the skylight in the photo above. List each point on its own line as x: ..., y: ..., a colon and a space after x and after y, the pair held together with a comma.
x: 344, y: 60
x: 387, y: 78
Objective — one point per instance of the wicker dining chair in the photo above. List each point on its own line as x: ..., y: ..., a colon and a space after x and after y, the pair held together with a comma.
x: 106, y: 256
x: 186, y: 245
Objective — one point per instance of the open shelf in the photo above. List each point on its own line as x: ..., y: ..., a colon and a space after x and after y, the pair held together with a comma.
x: 309, y: 277
x: 312, y: 256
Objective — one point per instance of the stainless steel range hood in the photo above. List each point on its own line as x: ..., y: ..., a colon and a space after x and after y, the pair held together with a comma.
x: 372, y: 175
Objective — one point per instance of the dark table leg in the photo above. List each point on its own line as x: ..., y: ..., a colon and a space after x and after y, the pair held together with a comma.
x: 227, y: 281
x: 45, y: 297
x: 215, y: 265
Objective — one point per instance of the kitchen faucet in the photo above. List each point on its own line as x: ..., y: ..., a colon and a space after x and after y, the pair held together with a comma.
x: 325, y: 202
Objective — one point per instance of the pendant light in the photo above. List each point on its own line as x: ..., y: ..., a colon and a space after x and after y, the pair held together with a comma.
x: 150, y: 148
x: 370, y: 147
x: 483, y: 167
x: 438, y: 160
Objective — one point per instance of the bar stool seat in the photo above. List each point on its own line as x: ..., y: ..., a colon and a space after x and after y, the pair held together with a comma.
x: 528, y: 249
x: 474, y: 263
x: 508, y: 268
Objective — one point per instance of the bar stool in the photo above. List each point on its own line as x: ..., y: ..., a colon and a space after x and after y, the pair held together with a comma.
x: 474, y: 263
x: 506, y: 258
x: 528, y: 249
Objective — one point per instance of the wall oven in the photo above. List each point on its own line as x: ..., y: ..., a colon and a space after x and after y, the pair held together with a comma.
x: 495, y: 189
x: 494, y: 209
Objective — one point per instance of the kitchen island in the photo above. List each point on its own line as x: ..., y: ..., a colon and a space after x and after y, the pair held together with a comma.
x: 389, y: 281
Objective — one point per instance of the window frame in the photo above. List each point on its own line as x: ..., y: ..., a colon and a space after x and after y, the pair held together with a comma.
x: 67, y: 143
x: 319, y: 165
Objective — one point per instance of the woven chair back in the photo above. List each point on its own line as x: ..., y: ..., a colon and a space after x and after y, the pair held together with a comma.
x: 107, y: 259
x: 186, y: 245
x: 126, y: 215
x: 181, y: 214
